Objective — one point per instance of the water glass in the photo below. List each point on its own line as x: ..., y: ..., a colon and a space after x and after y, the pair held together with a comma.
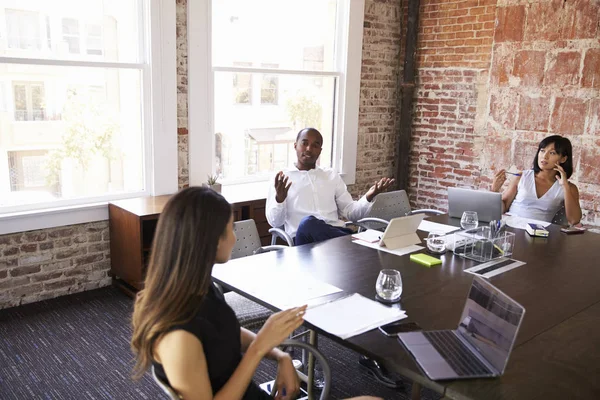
x: 469, y: 220
x: 436, y: 242
x: 389, y: 284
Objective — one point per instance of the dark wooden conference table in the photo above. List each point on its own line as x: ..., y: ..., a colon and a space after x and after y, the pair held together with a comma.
x: 557, y: 353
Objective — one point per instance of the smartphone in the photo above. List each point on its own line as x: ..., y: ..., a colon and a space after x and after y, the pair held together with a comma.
x: 572, y: 230
x: 398, y: 327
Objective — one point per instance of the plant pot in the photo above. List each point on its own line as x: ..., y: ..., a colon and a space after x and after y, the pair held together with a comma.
x: 216, y: 187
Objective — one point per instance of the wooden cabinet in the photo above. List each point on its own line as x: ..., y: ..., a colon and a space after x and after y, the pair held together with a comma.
x: 132, y: 224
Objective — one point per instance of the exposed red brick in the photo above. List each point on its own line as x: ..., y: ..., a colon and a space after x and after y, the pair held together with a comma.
x: 182, y: 131
x: 590, y: 77
x: 529, y: 67
x: 534, y: 113
x: 20, y: 271
x: 503, y: 109
x: 524, y: 153
x: 593, y: 119
x: 543, y: 21
x: 580, y: 19
x: 568, y: 116
x: 588, y: 165
x: 563, y: 69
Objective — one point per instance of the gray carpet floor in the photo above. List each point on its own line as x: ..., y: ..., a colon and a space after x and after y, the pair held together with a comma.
x: 77, y: 347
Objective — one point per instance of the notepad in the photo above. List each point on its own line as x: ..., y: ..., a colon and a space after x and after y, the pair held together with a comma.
x: 425, y: 259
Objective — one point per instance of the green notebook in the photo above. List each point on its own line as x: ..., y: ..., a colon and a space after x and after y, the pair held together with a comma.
x: 424, y: 259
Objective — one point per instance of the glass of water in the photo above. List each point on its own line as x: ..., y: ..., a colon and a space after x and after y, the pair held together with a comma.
x: 389, y: 285
x: 436, y: 242
x: 469, y: 220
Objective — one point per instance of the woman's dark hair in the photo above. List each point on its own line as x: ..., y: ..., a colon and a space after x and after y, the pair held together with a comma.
x: 562, y: 146
x: 178, y: 277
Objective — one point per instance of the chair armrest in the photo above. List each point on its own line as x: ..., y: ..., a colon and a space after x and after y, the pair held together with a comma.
x: 372, y: 219
x: 277, y: 232
x: 427, y: 211
x: 266, y: 249
x: 322, y: 360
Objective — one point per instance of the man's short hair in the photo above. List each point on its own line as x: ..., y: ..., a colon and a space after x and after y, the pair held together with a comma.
x: 308, y: 130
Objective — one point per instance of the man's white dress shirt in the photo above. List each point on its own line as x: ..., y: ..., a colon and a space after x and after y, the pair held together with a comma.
x: 319, y: 192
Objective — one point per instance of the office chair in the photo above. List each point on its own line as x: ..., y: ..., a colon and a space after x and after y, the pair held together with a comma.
x: 386, y: 206
x: 287, y: 343
x: 280, y: 233
x: 560, y: 218
x: 250, y: 314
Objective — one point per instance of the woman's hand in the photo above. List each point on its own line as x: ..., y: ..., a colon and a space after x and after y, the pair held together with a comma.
x: 277, y: 328
x: 287, y: 383
x: 561, y: 176
x: 499, y: 180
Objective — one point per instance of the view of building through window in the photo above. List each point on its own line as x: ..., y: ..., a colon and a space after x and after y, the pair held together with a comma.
x: 72, y: 130
x: 271, y: 79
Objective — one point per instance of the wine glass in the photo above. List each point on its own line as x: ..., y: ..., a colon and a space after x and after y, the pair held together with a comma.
x: 389, y: 285
x: 436, y: 242
x: 469, y: 220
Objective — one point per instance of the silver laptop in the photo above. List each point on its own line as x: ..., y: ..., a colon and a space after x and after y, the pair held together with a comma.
x: 481, y: 344
x: 488, y: 205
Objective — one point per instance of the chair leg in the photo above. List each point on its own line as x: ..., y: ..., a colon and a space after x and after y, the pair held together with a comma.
x: 416, y: 391
x: 311, y: 366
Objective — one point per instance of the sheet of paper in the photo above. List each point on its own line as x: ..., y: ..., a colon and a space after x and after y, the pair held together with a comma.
x: 370, y: 235
x: 398, y: 252
x: 428, y: 226
x: 281, y: 287
x: 351, y: 316
x: 517, y: 222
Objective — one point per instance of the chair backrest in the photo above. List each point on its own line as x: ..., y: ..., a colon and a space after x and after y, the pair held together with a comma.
x: 560, y: 218
x: 165, y: 388
x: 320, y: 358
x: 247, y: 238
x: 389, y: 205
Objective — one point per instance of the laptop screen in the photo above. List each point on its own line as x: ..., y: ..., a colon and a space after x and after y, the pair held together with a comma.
x: 490, y: 321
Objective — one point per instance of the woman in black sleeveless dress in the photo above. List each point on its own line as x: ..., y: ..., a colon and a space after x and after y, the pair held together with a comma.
x: 181, y: 322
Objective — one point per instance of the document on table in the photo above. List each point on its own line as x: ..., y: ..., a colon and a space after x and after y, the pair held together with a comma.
x: 494, y: 267
x: 352, y: 315
x: 399, y: 252
x: 517, y: 222
x: 281, y: 287
x: 370, y: 235
x: 428, y: 226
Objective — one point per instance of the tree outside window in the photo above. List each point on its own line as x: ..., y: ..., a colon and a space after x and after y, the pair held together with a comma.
x: 269, y: 87
x: 242, y: 85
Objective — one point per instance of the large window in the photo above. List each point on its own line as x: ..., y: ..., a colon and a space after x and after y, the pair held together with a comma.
x: 79, y: 127
x: 267, y: 79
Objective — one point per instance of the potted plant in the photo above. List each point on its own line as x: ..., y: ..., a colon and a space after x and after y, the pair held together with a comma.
x: 212, y: 183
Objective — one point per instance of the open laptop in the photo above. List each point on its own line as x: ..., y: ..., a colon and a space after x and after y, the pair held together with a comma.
x: 488, y: 205
x: 481, y: 344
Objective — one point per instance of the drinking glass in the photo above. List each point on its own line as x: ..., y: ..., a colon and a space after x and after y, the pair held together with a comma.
x: 436, y: 242
x: 389, y: 284
x: 469, y: 220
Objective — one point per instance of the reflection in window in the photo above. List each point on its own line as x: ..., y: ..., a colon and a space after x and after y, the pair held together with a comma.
x: 269, y: 86
x: 93, y: 39
x: 70, y: 30
x: 29, y: 101
x: 23, y: 28
x: 242, y: 85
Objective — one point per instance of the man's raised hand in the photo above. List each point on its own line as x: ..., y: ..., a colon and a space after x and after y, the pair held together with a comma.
x: 282, y: 185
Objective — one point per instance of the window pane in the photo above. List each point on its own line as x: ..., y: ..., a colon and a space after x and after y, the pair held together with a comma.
x: 23, y: 29
x: 99, y: 30
x: 249, y: 30
x: 76, y: 132
x: 256, y: 140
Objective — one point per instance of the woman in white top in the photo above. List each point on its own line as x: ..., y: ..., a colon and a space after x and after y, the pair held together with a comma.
x: 541, y: 192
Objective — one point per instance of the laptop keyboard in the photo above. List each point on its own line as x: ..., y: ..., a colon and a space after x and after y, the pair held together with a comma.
x: 460, y: 358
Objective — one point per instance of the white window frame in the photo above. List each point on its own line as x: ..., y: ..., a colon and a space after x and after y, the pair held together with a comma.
x: 159, y: 127
x: 201, y: 138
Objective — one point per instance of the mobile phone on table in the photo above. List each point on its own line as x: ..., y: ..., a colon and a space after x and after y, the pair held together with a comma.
x: 572, y: 230
x: 399, y: 327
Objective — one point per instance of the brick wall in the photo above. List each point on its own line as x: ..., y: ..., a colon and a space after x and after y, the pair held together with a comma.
x: 376, y: 147
x: 42, y: 264
x: 496, y: 77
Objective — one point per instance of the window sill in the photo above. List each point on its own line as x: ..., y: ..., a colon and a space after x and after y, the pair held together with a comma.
x: 52, y: 217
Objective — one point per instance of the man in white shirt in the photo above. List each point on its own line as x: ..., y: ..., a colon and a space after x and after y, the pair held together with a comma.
x: 309, y: 200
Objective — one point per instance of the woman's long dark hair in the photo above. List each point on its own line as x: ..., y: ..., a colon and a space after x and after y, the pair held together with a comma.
x: 562, y: 145
x: 179, y: 273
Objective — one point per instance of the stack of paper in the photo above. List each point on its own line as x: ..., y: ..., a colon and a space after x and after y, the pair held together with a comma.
x: 514, y: 221
x: 352, y: 315
x: 428, y: 226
